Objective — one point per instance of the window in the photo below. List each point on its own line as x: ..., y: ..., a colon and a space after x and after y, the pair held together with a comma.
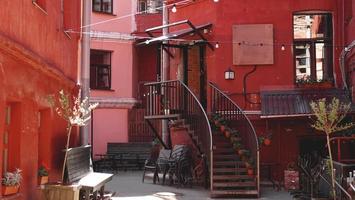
x: 100, y: 70
x: 312, y: 46
x: 104, y: 6
x: 142, y: 6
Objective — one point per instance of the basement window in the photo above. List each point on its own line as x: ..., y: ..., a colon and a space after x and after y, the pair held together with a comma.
x: 312, y: 43
x: 100, y: 70
x: 103, y: 6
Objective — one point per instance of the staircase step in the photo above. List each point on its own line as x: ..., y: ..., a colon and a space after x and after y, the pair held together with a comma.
x: 228, y: 170
x: 230, y: 193
x: 232, y: 177
x: 223, y: 157
x: 229, y: 163
x: 235, y: 184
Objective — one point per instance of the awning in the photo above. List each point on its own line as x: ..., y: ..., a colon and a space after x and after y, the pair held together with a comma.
x: 177, y: 34
x: 295, y: 102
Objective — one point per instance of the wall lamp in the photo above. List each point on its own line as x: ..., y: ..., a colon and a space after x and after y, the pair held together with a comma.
x: 229, y: 74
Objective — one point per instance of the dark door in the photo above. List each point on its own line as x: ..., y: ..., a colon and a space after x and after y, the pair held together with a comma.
x: 195, y: 72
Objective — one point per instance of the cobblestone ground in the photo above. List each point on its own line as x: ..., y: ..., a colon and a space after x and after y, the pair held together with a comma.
x: 129, y: 186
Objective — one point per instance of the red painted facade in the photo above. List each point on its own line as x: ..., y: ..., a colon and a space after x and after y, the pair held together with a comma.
x: 288, y: 134
x: 36, y: 59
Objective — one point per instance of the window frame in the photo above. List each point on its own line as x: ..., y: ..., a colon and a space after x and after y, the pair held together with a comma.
x: 326, y: 40
x: 101, y: 7
x: 97, y: 86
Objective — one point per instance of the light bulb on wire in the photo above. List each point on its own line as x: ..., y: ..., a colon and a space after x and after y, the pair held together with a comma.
x: 283, y: 47
x: 217, y: 45
x: 216, y: 1
x: 174, y: 9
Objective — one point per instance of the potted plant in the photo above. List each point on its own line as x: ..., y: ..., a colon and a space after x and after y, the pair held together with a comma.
x: 227, y: 132
x: 249, y: 164
x: 42, y: 175
x: 11, y: 182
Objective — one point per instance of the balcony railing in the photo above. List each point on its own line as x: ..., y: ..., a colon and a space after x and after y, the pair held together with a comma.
x: 231, y: 112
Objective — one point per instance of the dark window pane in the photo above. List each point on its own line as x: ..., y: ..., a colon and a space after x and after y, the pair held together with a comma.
x: 96, y: 5
x: 100, y: 69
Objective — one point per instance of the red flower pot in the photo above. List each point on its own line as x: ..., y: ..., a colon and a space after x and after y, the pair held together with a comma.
x: 267, y: 141
x: 250, y: 172
x: 227, y: 134
x: 9, y: 190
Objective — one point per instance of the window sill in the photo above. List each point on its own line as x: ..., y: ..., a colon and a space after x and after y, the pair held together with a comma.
x: 104, y: 13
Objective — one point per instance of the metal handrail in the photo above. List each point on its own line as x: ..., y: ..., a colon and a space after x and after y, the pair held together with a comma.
x: 176, y: 96
x: 338, y: 185
x: 232, y: 112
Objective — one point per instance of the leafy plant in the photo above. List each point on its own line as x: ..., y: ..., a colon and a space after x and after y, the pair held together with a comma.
x: 328, y: 118
x: 75, y: 111
x: 12, y: 178
x: 42, y: 171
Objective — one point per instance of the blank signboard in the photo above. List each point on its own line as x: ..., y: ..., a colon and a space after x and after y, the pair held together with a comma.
x: 253, y: 44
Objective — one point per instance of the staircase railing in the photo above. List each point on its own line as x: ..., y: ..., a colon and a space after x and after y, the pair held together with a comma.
x: 174, y: 97
x: 230, y: 111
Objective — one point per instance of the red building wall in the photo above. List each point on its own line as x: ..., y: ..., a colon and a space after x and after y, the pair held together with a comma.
x: 287, y: 133
x: 36, y: 59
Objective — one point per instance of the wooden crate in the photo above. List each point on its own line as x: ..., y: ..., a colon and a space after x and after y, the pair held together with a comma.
x: 60, y: 192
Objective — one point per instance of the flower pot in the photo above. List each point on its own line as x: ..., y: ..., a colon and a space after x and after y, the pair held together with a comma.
x: 267, y: 141
x: 227, y: 134
x: 42, y: 180
x: 9, y: 190
x: 222, y: 128
x: 250, y: 172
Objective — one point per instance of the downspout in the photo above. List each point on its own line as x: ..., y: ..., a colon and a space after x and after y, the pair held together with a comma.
x: 85, y: 65
x: 165, y: 70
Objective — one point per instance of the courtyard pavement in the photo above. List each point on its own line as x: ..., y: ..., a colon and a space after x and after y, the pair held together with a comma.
x: 129, y: 186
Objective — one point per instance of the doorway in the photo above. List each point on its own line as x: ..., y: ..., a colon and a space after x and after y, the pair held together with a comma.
x: 195, y: 76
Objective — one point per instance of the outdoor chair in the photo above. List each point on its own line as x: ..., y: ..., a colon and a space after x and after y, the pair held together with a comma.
x: 157, y: 165
x: 180, y: 165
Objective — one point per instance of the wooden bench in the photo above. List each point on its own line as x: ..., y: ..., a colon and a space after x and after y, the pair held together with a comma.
x: 79, y: 172
x: 128, y: 155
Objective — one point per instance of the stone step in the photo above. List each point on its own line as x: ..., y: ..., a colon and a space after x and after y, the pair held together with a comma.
x: 229, y: 163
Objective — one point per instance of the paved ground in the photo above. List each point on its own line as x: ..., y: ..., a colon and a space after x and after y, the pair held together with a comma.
x: 129, y: 186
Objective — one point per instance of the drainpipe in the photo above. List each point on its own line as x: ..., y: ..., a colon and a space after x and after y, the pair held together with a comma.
x: 85, y: 65
x: 165, y: 71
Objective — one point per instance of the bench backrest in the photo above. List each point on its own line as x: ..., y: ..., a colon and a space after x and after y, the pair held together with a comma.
x: 114, y: 148
x: 78, y: 163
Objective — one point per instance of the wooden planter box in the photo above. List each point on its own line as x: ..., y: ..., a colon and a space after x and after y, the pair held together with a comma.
x: 60, y: 192
x: 291, y: 180
x: 9, y: 190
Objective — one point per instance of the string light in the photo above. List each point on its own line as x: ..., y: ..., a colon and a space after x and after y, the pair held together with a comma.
x: 217, y: 45
x: 174, y: 9
x: 282, y: 47
x: 216, y: 1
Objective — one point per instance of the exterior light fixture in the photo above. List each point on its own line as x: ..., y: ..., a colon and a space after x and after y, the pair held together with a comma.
x: 217, y: 45
x: 216, y: 1
x: 283, y: 47
x: 229, y: 74
x: 174, y: 9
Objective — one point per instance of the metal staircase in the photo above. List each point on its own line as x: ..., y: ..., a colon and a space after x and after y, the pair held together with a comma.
x: 230, y: 177
x: 174, y: 102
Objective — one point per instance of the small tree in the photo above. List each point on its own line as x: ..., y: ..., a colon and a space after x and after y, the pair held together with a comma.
x: 75, y: 111
x: 327, y: 120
